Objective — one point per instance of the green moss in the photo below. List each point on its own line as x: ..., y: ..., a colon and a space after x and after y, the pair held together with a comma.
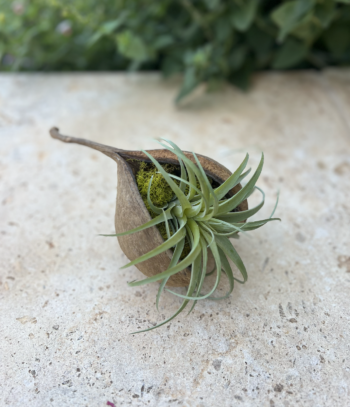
x: 160, y: 193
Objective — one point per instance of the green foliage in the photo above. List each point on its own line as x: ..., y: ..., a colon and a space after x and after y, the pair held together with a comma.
x: 205, y: 40
x: 203, y: 216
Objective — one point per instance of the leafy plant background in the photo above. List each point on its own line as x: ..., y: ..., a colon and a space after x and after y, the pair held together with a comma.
x: 208, y: 41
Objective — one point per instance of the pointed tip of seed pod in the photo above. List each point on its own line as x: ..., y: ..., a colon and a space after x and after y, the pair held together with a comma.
x: 53, y: 131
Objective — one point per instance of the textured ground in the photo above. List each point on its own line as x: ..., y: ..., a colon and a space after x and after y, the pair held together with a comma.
x: 66, y: 309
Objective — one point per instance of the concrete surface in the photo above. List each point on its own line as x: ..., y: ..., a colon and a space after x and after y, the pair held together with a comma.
x: 66, y: 309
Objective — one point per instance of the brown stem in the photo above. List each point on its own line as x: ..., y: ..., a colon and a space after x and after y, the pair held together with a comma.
x: 111, y: 152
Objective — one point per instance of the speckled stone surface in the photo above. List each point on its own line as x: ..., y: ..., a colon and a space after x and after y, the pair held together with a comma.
x: 282, y: 339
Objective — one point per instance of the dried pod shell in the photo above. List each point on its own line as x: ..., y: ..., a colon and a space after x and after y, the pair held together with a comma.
x: 131, y: 211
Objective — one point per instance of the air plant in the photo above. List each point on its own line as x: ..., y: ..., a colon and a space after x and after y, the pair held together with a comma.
x: 200, y: 214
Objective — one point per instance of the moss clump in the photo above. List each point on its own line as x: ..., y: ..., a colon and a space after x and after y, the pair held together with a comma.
x: 160, y: 193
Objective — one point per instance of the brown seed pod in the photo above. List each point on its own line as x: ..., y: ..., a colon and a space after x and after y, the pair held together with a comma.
x: 131, y: 211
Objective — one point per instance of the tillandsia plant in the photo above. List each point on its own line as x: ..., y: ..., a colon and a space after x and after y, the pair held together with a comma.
x: 205, y: 206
